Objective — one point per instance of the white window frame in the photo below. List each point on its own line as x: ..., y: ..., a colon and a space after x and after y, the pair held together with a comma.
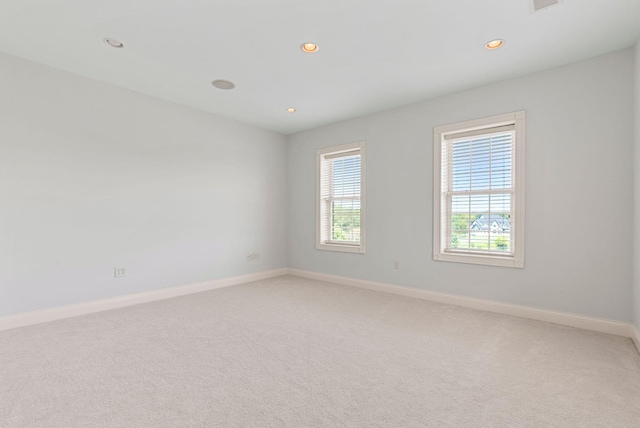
x: 516, y: 259
x: 321, y: 242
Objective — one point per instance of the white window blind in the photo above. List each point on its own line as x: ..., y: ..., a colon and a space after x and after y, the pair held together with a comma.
x: 478, y: 188
x: 479, y: 191
x: 340, y: 208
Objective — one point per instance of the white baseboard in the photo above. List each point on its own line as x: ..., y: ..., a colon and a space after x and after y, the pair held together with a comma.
x: 562, y: 318
x: 636, y: 336
x: 52, y: 314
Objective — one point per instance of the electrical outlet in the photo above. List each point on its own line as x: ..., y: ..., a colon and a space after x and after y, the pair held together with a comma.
x: 396, y: 264
x: 119, y: 272
x: 253, y: 256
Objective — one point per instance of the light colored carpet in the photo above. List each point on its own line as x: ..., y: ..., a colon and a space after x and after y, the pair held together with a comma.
x: 290, y: 352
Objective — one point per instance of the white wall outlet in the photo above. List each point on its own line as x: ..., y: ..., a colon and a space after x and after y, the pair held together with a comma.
x: 396, y: 264
x: 253, y: 256
x: 119, y: 272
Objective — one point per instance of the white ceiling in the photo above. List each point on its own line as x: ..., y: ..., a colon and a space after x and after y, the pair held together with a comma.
x: 374, y: 54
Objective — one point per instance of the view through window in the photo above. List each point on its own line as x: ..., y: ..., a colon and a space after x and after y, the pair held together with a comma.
x: 480, y: 193
x: 343, y: 198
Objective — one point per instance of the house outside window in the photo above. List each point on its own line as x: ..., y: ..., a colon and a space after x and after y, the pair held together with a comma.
x: 479, y: 191
x: 340, y: 222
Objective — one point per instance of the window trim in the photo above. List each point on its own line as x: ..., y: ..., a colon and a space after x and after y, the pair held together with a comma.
x: 439, y: 133
x: 342, y: 247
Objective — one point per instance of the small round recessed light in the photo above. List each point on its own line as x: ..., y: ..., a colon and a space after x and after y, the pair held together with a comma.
x: 494, y: 44
x: 309, y: 47
x: 291, y: 110
x: 113, y: 42
x: 223, y: 84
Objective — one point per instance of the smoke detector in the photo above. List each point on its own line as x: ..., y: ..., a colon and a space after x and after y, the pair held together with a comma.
x: 538, y: 5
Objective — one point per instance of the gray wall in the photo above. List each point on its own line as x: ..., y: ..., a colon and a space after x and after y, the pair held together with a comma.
x: 93, y: 176
x: 579, y: 191
x: 636, y: 252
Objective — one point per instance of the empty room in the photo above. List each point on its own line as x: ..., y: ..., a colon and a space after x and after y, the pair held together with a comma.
x: 292, y: 213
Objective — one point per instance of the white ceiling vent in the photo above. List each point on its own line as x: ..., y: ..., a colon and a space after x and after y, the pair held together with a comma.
x: 538, y: 5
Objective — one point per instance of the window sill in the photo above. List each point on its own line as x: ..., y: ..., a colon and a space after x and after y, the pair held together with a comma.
x: 480, y: 260
x: 341, y: 248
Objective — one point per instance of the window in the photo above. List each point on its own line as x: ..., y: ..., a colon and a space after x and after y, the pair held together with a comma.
x: 340, y: 200
x: 479, y: 191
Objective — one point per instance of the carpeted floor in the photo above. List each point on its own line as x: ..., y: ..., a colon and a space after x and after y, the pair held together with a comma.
x: 291, y: 352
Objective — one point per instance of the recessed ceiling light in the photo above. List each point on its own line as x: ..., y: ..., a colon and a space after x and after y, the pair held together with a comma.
x: 309, y: 47
x: 113, y: 42
x: 223, y: 84
x: 494, y: 44
x: 291, y: 110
